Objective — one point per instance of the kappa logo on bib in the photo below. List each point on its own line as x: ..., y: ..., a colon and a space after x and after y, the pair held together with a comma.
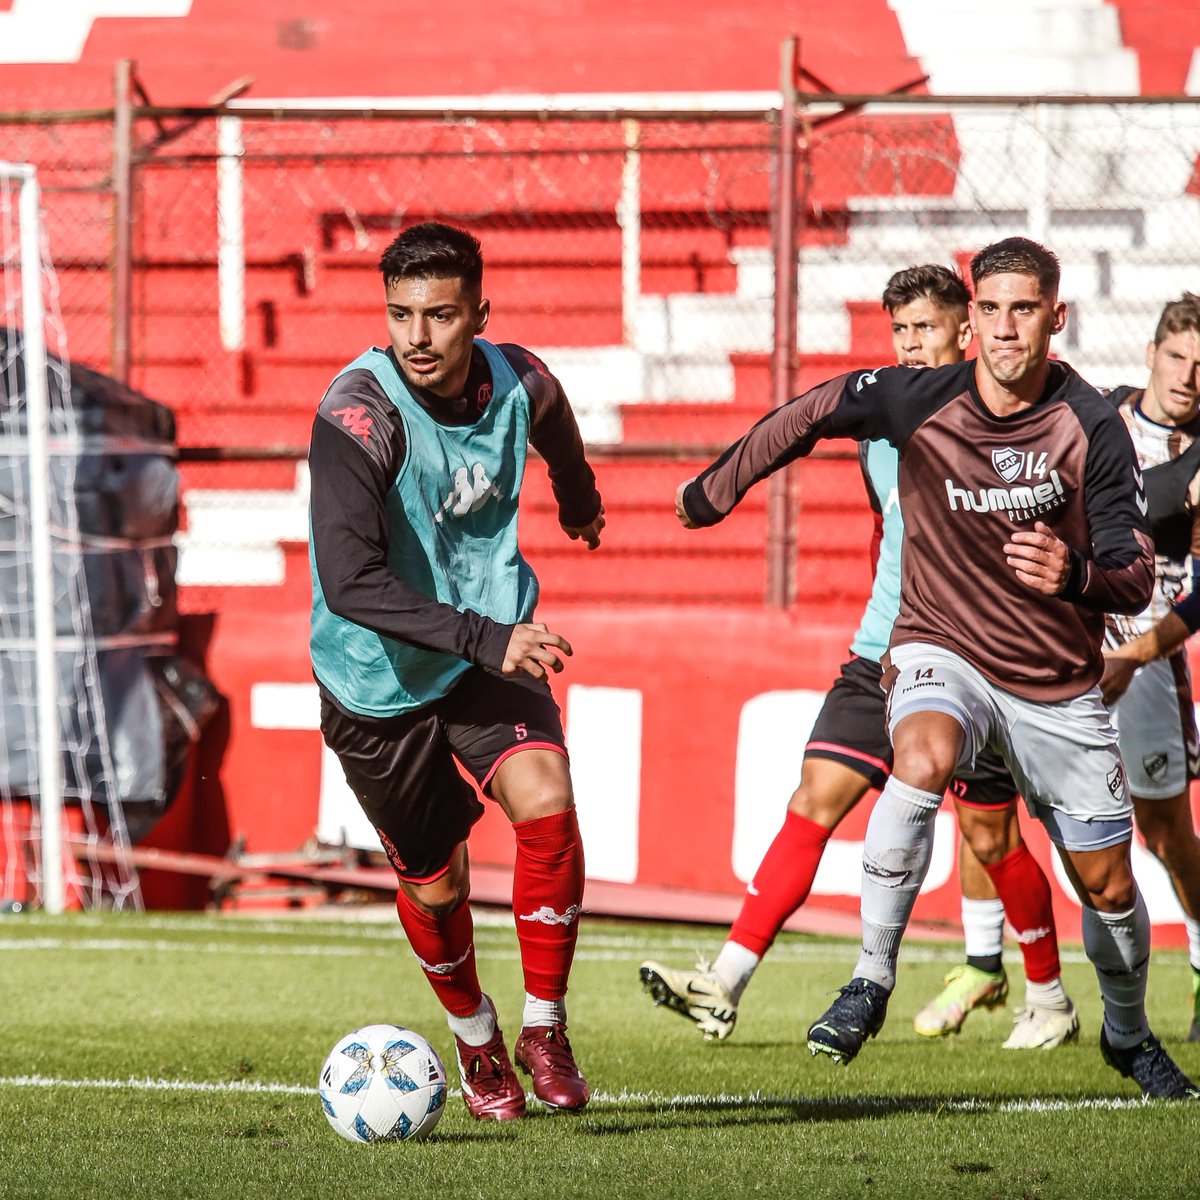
x: 468, y: 494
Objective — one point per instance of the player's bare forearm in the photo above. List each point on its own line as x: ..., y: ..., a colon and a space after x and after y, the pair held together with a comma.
x: 1163, y: 639
x: 532, y: 648
x: 1121, y: 664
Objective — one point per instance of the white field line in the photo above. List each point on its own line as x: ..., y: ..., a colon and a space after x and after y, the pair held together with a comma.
x: 754, y: 1100
x: 601, y: 950
x: 492, y: 930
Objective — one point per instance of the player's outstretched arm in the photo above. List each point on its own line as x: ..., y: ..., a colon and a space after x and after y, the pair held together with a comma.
x: 534, y: 649
x: 1040, y: 559
x: 1121, y: 664
x: 589, y: 534
x: 858, y: 405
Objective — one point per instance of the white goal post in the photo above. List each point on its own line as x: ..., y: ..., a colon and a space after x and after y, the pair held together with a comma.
x: 37, y: 404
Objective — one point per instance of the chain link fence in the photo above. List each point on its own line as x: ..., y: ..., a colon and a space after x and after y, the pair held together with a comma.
x: 635, y: 251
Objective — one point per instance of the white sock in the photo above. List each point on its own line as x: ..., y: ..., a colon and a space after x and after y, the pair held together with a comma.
x: 983, y: 927
x: 734, y: 967
x: 1046, y: 995
x: 543, y: 1012
x: 1118, y: 945
x: 896, y: 855
x: 479, y: 1028
x: 1193, y: 935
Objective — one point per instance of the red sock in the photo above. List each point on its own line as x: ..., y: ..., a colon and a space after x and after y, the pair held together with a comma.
x: 1025, y: 891
x: 547, y: 893
x: 445, y: 948
x: 781, y: 884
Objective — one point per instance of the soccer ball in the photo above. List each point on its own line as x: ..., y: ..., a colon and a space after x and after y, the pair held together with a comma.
x: 382, y: 1083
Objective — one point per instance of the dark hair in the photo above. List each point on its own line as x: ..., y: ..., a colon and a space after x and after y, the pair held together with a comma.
x: 1018, y: 256
x: 930, y: 280
x: 1179, y: 316
x: 434, y: 251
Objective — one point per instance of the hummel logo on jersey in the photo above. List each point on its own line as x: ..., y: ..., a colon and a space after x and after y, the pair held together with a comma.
x: 865, y: 380
x: 468, y: 494
x: 1140, y: 498
x: 356, y: 420
x: 1021, y: 503
x: 547, y: 916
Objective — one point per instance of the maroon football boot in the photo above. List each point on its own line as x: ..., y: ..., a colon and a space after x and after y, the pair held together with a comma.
x: 490, y: 1086
x: 544, y: 1053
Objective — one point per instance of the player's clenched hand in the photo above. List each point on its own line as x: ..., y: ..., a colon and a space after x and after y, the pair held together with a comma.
x: 534, y: 649
x: 1118, y: 673
x: 590, y: 533
x: 680, y: 511
x: 1041, y: 561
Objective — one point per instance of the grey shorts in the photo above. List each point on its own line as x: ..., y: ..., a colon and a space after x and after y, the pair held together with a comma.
x: 1156, y: 724
x: 1063, y: 754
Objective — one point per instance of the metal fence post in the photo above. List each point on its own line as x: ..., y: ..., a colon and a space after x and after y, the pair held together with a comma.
x: 780, y: 536
x: 629, y: 218
x: 231, y: 235
x: 121, y: 263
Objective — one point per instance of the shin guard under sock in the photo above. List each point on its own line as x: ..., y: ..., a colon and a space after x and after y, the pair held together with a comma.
x: 547, y: 894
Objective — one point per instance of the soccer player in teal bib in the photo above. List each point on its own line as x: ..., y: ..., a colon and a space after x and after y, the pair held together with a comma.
x: 425, y: 650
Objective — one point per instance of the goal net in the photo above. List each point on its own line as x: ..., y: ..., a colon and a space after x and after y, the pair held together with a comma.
x: 63, y: 836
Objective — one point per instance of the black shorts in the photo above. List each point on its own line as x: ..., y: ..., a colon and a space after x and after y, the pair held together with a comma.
x: 988, y: 784
x: 851, y: 728
x: 404, y: 771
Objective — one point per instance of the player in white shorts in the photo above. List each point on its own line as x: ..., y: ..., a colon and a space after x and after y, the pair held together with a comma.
x: 1024, y: 524
x: 849, y: 752
x: 1146, y: 671
x: 1063, y: 754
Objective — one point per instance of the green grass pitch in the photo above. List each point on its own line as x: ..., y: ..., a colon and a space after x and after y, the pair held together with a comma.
x: 177, y: 1056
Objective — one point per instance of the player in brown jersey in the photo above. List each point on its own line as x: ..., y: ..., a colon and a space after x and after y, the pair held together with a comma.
x: 848, y: 753
x: 1013, y: 471
x: 1146, y: 672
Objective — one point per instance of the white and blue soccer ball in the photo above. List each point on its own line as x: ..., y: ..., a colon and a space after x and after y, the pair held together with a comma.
x: 383, y: 1083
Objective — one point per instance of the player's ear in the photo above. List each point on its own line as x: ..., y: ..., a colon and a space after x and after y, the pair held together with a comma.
x: 1150, y: 348
x: 481, y: 315
x: 964, y: 334
x: 971, y: 325
x: 1060, y: 316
